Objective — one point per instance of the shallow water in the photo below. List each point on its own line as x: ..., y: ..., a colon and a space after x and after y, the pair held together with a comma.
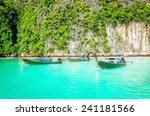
x: 74, y: 80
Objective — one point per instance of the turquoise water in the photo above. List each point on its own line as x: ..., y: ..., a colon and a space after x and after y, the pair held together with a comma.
x: 77, y: 80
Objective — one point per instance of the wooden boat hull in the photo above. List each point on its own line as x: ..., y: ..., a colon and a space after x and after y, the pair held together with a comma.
x: 32, y: 61
x: 104, y: 64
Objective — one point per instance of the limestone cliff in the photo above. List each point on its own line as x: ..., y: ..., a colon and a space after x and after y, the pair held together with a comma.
x: 132, y: 39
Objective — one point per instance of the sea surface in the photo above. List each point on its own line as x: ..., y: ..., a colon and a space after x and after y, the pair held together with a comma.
x: 74, y: 80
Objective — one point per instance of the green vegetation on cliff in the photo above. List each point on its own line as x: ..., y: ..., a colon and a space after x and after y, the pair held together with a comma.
x: 7, y: 30
x: 26, y: 26
x: 60, y: 21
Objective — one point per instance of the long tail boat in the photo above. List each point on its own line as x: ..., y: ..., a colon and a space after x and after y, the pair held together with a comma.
x: 41, y: 61
x: 111, y: 62
x: 81, y: 59
x: 104, y: 64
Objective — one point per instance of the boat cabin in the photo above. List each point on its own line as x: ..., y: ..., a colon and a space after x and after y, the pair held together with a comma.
x: 115, y: 60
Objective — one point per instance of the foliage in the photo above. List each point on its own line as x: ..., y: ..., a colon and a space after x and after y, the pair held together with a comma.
x: 7, y: 35
x: 149, y: 38
x: 60, y: 22
x: 26, y: 26
x: 114, y: 12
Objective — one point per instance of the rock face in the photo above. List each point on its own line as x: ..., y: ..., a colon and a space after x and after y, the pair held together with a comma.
x: 132, y: 39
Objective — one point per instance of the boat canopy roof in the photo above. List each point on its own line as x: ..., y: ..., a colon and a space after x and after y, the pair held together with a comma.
x: 111, y: 58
